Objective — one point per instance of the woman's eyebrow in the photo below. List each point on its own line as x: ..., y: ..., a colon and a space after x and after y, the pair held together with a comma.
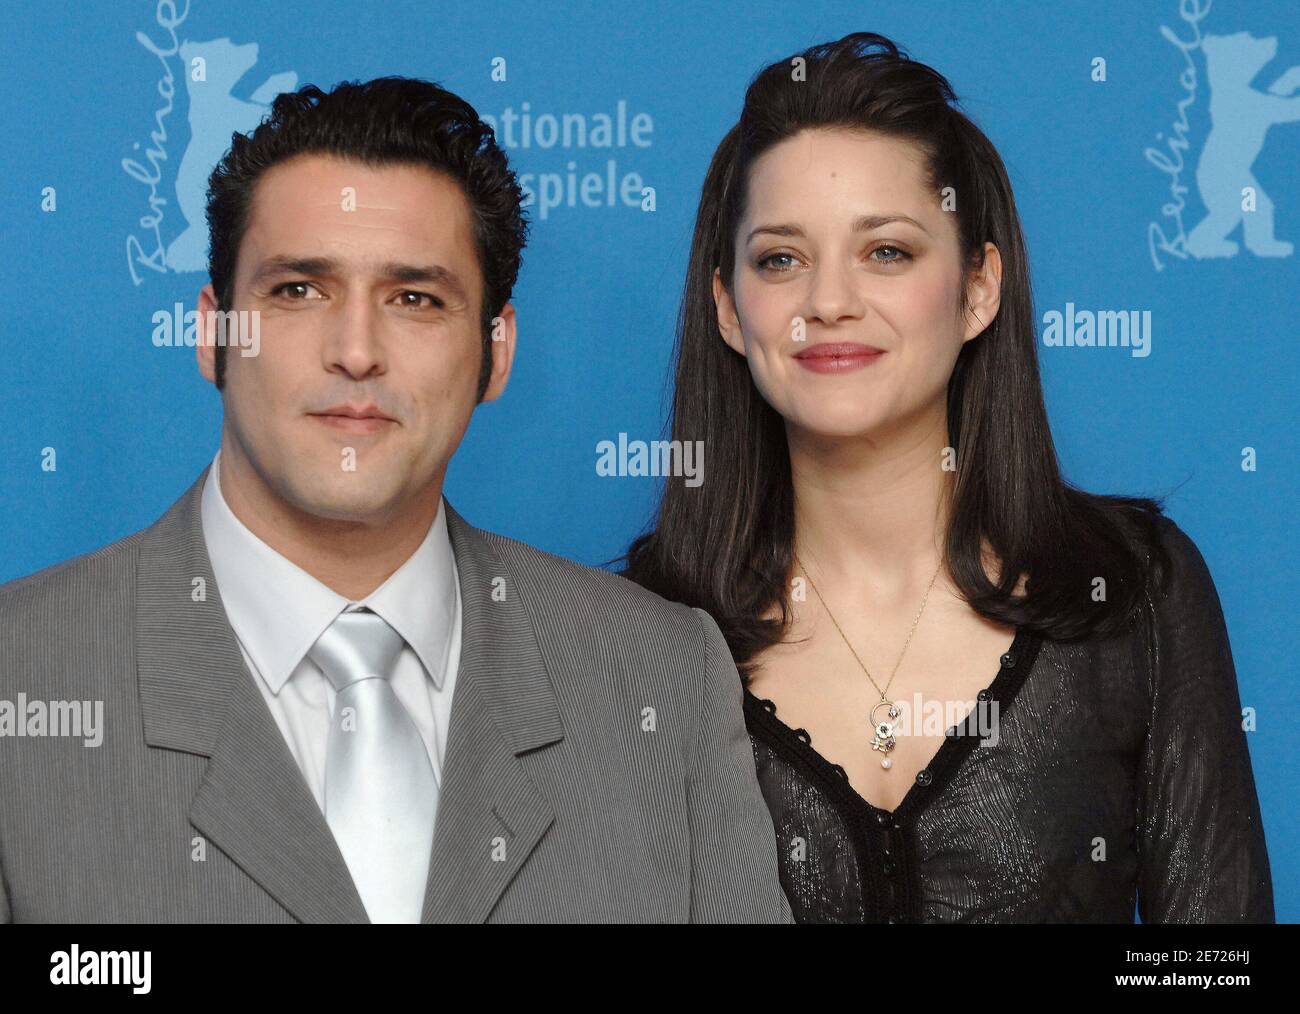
x: 863, y: 223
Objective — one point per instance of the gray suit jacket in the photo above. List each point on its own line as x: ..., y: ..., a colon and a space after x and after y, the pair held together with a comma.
x: 565, y: 798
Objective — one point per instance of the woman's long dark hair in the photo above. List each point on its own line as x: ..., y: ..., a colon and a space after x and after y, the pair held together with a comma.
x: 726, y: 545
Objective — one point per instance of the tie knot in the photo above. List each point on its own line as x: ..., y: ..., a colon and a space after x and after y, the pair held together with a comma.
x: 356, y: 646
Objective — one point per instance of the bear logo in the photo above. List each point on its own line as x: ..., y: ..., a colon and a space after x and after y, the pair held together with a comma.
x: 215, y: 113
x: 1240, y: 116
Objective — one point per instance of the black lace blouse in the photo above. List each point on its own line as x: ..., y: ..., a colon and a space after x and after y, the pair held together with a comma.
x: 1120, y: 778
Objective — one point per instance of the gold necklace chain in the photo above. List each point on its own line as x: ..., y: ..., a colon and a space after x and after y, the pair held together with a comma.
x: 915, y: 620
x: 884, y: 739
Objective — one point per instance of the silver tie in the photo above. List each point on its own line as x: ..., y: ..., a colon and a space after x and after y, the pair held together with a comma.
x: 380, y: 793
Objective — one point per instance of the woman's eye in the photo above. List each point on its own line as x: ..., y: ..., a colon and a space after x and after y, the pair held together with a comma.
x: 777, y: 262
x: 901, y: 255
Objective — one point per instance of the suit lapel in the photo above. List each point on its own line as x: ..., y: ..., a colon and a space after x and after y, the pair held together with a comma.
x: 197, y: 696
x: 490, y: 814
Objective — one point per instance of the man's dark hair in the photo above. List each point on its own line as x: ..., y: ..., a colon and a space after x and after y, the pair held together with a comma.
x: 387, y: 121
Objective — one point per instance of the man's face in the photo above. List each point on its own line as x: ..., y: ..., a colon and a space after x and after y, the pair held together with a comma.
x: 369, y: 291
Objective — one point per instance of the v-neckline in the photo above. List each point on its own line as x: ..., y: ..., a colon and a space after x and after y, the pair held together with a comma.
x: 1016, y: 663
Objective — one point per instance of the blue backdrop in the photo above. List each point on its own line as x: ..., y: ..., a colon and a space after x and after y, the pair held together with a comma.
x: 1147, y: 143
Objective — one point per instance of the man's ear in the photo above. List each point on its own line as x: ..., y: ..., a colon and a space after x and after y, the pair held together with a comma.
x: 728, y: 322
x: 983, y: 293
x: 206, y: 349
x: 503, y: 352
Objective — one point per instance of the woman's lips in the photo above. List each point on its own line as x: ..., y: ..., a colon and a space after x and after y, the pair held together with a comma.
x: 837, y: 357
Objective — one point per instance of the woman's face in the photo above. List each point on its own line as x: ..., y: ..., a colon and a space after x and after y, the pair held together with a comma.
x: 846, y: 283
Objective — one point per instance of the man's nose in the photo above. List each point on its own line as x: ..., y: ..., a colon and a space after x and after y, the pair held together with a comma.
x: 354, y: 342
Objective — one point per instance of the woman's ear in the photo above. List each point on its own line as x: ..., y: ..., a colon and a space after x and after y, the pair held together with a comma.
x: 728, y: 322
x: 983, y: 293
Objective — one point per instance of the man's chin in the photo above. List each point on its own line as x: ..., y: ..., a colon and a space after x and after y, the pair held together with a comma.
x: 358, y: 513
x: 362, y: 501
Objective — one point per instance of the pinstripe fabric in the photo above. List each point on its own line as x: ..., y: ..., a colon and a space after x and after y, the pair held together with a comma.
x: 597, y: 764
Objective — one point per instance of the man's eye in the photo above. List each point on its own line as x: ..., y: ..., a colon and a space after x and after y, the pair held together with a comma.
x: 418, y: 300
x: 293, y: 290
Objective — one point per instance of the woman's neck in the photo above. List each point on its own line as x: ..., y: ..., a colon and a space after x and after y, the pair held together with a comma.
x: 871, y: 512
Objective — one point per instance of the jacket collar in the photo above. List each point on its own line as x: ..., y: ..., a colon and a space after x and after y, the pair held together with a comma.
x: 197, y: 697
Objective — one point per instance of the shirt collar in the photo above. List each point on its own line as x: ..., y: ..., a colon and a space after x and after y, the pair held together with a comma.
x: 278, y: 610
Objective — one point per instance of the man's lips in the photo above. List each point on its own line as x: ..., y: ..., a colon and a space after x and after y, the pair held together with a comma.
x: 837, y: 357
x: 354, y: 418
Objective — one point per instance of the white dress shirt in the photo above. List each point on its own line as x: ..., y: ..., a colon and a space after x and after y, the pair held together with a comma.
x: 278, y: 611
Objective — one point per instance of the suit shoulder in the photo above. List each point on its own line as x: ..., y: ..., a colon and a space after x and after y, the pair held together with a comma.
x: 604, y: 635
x: 611, y: 594
x: 65, y: 584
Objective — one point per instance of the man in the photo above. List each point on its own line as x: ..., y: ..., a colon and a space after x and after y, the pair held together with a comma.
x: 326, y: 696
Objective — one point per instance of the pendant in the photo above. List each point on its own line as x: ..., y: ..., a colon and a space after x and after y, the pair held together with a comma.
x: 884, y: 739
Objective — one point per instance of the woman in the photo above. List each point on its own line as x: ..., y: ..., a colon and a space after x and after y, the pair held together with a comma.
x: 974, y: 692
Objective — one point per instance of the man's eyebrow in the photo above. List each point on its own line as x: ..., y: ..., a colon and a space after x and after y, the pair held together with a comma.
x: 285, y: 264
x: 863, y: 223
x: 432, y: 273
x: 396, y: 271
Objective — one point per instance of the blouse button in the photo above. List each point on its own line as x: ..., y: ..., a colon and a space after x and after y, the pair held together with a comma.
x: 889, y: 869
x: 984, y: 695
x: 892, y: 920
x: 1009, y: 660
x: 882, y: 819
x: 923, y: 777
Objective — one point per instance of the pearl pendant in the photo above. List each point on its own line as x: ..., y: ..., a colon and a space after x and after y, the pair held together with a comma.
x: 886, y: 763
